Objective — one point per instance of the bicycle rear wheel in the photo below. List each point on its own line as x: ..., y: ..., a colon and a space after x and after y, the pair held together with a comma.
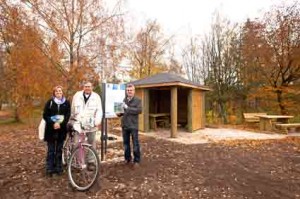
x: 80, y: 175
x: 67, y: 150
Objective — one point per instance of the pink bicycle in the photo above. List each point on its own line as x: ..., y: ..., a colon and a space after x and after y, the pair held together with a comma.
x: 82, y: 161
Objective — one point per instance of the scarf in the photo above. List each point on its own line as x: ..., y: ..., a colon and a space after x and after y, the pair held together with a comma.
x: 59, y: 101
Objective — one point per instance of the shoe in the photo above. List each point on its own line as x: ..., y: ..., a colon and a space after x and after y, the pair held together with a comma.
x: 59, y: 173
x: 126, y: 162
x: 49, y: 173
x: 91, y: 166
x: 136, y: 164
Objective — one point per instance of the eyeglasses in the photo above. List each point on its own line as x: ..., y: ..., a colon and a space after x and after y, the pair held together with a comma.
x: 129, y: 90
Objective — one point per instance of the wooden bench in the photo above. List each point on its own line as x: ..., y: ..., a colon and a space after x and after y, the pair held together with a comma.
x: 285, y: 127
x: 252, y: 117
x: 163, y: 122
x: 162, y: 119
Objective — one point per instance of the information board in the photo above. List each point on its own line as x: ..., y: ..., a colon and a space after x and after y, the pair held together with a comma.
x: 114, y: 96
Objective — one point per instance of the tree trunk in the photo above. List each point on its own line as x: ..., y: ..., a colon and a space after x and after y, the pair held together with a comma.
x: 223, y: 111
x: 17, y: 115
x: 280, y: 104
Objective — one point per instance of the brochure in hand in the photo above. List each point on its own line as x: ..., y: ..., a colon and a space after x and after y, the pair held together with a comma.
x: 118, y: 107
x: 57, y: 118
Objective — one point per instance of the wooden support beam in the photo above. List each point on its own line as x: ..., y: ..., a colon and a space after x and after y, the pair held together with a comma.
x: 190, y: 110
x: 173, y: 112
x: 203, y: 122
x: 146, y: 110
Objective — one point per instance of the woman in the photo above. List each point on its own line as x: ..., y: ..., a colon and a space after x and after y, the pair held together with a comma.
x: 56, y: 114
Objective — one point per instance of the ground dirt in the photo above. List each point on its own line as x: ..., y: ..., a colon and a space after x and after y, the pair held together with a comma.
x: 223, y: 169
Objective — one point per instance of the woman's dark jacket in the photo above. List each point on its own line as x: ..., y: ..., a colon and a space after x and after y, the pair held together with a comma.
x: 51, y: 109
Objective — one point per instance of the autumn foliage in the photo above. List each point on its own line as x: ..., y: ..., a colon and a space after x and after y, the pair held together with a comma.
x: 251, y: 66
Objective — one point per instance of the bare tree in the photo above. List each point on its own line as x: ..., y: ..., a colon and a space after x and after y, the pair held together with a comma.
x: 148, y: 51
x: 192, y: 58
x: 78, y: 26
x: 221, y: 59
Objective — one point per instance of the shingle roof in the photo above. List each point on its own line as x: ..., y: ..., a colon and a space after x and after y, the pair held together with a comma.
x: 167, y: 79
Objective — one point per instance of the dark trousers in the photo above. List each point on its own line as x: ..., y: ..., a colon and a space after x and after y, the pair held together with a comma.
x: 54, y: 156
x: 136, y: 146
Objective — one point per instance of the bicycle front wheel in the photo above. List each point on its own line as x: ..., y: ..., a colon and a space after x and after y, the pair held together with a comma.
x: 83, y: 167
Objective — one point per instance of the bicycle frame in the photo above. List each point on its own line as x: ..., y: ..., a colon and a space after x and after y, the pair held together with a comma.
x: 81, y: 143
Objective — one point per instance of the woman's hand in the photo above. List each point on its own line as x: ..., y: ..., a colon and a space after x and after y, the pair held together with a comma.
x: 56, y: 125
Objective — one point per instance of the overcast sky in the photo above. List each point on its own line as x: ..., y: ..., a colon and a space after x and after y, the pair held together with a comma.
x: 194, y: 16
x: 186, y: 18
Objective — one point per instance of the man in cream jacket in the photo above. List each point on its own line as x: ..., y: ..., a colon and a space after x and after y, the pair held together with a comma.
x: 87, y: 109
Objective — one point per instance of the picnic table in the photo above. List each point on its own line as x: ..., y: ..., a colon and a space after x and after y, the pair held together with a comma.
x: 265, y: 121
x: 156, y: 118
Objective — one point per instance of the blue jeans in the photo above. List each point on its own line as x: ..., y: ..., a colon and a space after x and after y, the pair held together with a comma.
x: 136, y: 146
x: 54, y: 156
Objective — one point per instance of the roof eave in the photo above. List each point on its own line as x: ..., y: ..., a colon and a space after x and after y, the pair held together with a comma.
x: 172, y: 84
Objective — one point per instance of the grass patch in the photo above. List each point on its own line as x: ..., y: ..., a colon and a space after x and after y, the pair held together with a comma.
x: 8, y: 121
x: 296, y: 119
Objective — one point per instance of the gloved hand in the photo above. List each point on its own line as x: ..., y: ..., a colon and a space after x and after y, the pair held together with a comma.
x: 124, y: 105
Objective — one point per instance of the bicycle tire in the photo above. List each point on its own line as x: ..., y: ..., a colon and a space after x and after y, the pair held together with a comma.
x: 80, y: 177
x: 67, y: 150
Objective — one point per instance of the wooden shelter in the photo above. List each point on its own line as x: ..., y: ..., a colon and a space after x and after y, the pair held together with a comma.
x: 173, y: 100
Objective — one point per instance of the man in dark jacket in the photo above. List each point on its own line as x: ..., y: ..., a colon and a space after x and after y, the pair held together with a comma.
x: 130, y: 124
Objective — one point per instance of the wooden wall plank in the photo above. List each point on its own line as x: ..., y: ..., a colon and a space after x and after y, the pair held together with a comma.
x: 198, y: 120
